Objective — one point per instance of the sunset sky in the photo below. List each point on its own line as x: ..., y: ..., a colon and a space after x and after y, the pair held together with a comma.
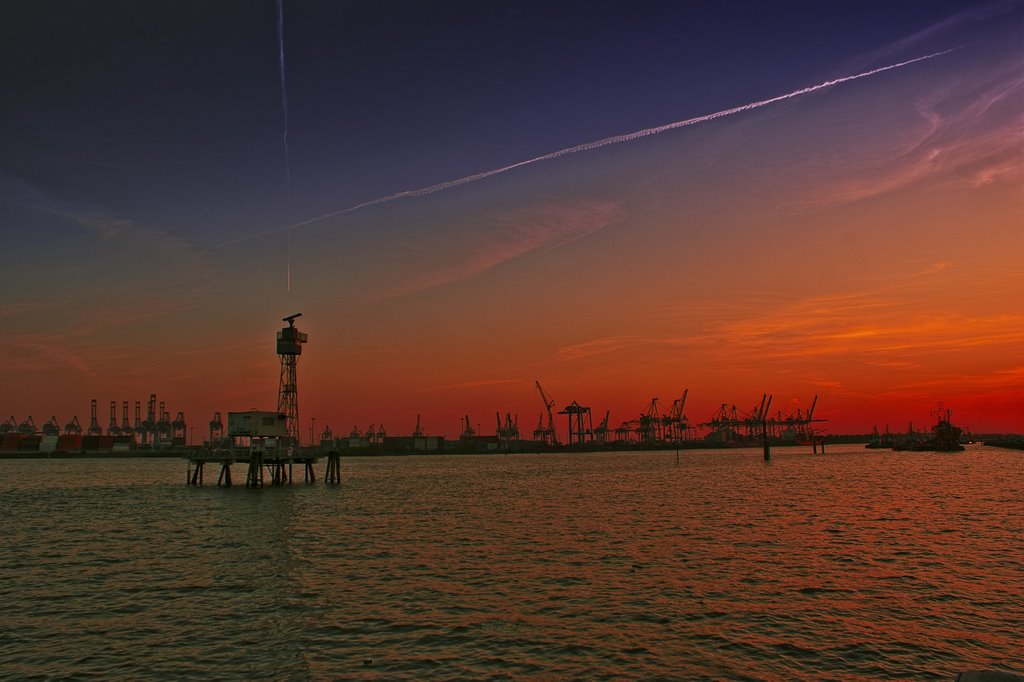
x: 862, y: 242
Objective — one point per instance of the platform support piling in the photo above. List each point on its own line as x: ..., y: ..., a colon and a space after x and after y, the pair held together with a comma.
x: 333, y: 474
x: 225, y: 475
x: 254, y: 478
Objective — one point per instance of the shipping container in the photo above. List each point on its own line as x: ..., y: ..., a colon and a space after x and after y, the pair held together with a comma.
x: 69, y: 443
x: 10, y: 441
x: 48, y: 443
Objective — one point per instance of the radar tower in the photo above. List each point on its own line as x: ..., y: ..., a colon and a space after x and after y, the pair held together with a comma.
x: 289, y: 348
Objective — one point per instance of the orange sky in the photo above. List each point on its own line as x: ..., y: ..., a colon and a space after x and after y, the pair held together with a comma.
x: 862, y: 244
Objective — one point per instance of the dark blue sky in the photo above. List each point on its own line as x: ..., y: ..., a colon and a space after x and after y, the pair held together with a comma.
x: 170, y: 111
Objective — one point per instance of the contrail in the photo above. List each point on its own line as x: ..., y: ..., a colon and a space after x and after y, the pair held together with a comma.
x: 284, y: 138
x: 597, y: 144
x: 284, y: 92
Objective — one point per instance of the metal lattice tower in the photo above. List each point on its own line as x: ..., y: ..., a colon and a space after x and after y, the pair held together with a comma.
x: 289, y: 348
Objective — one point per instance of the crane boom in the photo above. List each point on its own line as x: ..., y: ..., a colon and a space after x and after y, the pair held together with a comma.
x: 551, y: 435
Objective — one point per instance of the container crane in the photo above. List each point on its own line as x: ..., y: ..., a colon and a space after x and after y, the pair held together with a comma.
x: 601, y: 432
x: 149, y: 426
x: 73, y: 427
x: 178, y: 427
x: 126, y: 426
x: 580, y: 424
x: 27, y: 427
x: 216, y: 429
x: 650, y: 430
x: 94, y: 425
x: 163, y: 427
x: 51, y: 428
x: 137, y: 427
x: 418, y: 431
x: 112, y: 428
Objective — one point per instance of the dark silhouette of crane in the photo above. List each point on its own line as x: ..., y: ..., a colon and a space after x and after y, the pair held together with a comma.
x: 548, y: 433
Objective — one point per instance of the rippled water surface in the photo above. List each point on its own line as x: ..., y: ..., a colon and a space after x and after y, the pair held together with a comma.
x: 853, y: 565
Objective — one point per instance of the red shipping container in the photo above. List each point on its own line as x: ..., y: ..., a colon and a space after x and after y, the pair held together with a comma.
x: 69, y: 443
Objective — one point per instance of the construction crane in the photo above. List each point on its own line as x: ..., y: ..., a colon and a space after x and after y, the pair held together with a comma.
x: 548, y: 434
x: 467, y: 428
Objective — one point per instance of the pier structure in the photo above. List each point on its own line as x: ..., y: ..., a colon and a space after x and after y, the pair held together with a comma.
x: 259, y: 440
x: 267, y: 441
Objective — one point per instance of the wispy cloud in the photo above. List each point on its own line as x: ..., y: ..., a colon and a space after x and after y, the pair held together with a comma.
x: 602, y: 346
x: 968, y: 132
x: 512, y: 235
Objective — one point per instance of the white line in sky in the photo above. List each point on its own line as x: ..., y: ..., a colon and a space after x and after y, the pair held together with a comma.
x: 588, y: 146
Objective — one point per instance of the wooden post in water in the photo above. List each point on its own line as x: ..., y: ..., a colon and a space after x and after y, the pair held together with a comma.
x: 225, y: 475
x: 333, y: 474
x: 254, y: 478
x: 764, y: 427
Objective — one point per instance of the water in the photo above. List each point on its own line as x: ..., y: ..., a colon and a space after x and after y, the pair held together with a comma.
x: 853, y: 565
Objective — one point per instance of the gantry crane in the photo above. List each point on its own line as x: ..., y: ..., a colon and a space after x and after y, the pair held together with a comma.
x: 601, y: 432
x: 112, y: 428
x: 94, y: 425
x: 51, y: 428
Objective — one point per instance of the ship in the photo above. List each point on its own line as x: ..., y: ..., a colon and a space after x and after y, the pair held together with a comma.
x: 880, y: 441
x: 945, y: 437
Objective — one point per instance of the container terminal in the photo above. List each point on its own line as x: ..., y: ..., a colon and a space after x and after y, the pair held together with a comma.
x: 275, y: 436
